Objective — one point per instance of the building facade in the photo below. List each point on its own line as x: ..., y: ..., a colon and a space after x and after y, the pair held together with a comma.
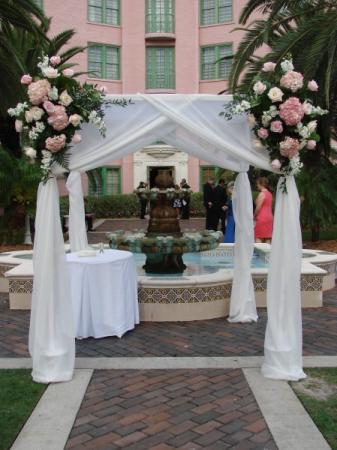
x: 150, y: 46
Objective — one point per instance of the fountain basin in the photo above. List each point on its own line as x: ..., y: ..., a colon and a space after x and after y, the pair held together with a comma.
x: 201, y: 292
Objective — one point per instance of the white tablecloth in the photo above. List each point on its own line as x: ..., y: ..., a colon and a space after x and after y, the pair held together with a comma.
x: 104, y: 293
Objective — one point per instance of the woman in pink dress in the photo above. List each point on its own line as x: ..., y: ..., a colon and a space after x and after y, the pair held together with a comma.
x: 263, y: 214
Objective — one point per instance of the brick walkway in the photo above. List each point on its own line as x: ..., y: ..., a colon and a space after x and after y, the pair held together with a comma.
x: 162, y: 410
x: 203, y: 338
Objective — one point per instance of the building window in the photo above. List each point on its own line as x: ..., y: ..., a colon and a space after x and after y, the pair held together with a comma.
x: 104, y: 61
x: 211, y: 66
x: 39, y: 3
x: 215, y: 11
x: 160, y: 68
x: 207, y: 172
x: 104, y: 11
x: 160, y: 16
x: 104, y: 181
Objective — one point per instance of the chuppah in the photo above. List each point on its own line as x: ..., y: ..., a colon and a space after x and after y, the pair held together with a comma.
x: 192, y: 123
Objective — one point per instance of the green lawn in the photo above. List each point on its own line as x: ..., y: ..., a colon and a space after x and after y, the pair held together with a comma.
x: 18, y: 397
x: 322, y: 412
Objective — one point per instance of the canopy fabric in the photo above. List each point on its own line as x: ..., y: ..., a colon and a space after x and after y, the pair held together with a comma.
x: 190, y: 123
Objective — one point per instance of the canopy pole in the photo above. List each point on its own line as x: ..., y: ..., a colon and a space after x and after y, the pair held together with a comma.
x: 77, y: 230
x: 242, y: 303
x: 283, y: 339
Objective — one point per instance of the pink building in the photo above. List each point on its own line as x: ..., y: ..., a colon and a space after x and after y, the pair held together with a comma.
x: 151, y: 46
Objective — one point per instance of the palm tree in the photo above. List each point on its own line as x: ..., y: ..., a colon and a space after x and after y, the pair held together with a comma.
x: 306, y: 29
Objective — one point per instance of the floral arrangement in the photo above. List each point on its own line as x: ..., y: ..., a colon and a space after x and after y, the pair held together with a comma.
x: 57, y: 105
x: 283, y: 113
x: 170, y: 192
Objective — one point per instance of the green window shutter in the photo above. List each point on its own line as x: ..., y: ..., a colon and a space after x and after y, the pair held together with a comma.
x: 104, y: 11
x: 160, y: 16
x: 160, y: 68
x: 215, y: 11
x: 211, y: 67
x: 104, y: 61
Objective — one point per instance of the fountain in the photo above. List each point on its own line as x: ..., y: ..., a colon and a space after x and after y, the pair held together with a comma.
x: 164, y: 244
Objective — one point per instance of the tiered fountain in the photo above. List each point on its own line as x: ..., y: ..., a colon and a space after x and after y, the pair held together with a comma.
x: 164, y: 244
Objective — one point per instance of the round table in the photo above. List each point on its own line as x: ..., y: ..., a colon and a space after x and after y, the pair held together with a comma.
x: 103, y: 293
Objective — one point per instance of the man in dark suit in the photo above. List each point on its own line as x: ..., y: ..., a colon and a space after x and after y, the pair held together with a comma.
x: 220, y: 202
x: 209, y: 204
x: 185, y: 210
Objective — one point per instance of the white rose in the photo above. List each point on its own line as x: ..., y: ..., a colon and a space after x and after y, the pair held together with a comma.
x: 275, y: 94
x: 245, y: 105
x: 50, y: 72
x: 75, y: 119
x: 30, y: 152
x: 266, y: 120
x: 307, y: 108
x: 36, y: 112
x: 287, y: 65
x: 312, y: 126
x: 65, y: 99
x: 259, y: 88
x: 53, y: 93
x: 29, y: 116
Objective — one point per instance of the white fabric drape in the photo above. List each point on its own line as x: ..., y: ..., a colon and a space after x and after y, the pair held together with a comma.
x: 242, y: 305
x: 77, y: 230
x: 51, y: 334
x: 283, y: 340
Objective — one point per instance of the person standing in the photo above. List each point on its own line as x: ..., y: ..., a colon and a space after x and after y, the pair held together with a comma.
x: 185, y: 209
x: 209, y: 203
x: 220, y: 205
x: 230, y: 228
x: 263, y: 213
x: 142, y: 199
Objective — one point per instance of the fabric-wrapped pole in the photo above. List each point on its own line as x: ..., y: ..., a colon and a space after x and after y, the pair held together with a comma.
x: 242, y: 305
x: 283, y: 339
x: 77, y: 229
x: 51, y: 334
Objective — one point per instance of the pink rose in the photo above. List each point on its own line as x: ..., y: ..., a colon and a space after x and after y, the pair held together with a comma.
x: 26, y: 79
x: 49, y: 107
x: 58, y: 119
x: 55, y: 60
x: 292, y: 80
x: 263, y: 133
x: 291, y: 111
x: 289, y: 147
x: 268, y: 67
x: 276, y: 126
x: 18, y: 126
x: 313, y: 86
x: 56, y: 143
x: 76, y: 138
x: 68, y: 73
x: 311, y: 145
x: 275, y: 164
x: 259, y: 88
x: 38, y: 91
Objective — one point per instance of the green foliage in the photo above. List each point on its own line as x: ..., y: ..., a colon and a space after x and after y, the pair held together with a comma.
x: 124, y: 205
x: 18, y: 397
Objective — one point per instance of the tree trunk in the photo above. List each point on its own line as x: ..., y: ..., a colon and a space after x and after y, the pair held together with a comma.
x: 315, y: 229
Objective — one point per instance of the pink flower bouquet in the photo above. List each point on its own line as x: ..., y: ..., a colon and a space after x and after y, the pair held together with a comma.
x: 282, y: 105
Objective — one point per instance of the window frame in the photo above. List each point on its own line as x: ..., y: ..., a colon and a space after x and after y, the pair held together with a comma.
x: 217, y: 14
x: 153, y: 70
x: 151, y: 12
x: 105, y: 170
x: 103, y: 48
x: 104, y: 15
x: 216, y: 63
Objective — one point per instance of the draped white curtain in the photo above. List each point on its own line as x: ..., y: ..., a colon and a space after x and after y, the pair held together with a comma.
x: 283, y: 340
x: 51, y: 332
x: 190, y: 123
x: 243, y: 306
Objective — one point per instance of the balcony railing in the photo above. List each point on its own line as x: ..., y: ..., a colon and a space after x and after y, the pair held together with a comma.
x: 160, y: 23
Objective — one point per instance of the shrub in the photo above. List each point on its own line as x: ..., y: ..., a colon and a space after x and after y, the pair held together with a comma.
x: 123, y: 205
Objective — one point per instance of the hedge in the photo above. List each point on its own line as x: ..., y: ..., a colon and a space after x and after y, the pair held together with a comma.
x: 124, y: 205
